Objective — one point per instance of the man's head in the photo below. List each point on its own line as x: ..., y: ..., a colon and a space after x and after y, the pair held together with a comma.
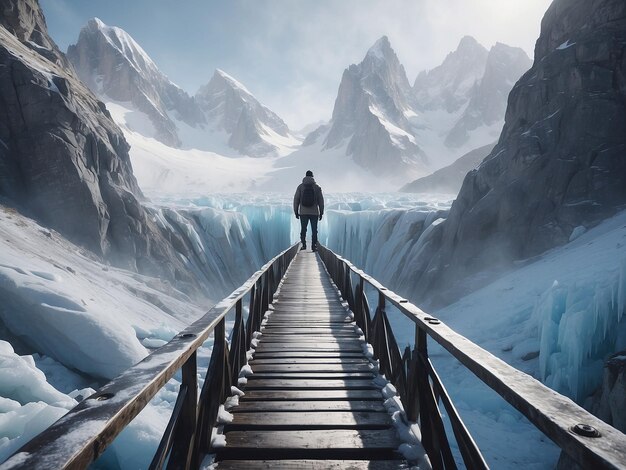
x: 309, y: 173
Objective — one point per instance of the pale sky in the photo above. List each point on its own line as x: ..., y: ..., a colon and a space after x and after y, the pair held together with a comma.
x: 291, y: 53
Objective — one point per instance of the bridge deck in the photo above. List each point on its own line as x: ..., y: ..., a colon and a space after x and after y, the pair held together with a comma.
x: 311, y: 402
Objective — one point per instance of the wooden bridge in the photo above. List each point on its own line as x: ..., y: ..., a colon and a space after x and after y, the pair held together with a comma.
x: 312, y: 387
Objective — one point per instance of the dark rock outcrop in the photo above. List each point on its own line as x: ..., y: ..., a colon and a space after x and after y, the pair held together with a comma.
x: 611, y: 401
x: 63, y: 159
x: 561, y: 158
x: 448, y: 180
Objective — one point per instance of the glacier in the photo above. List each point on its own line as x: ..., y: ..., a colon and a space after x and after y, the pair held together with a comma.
x: 556, y: 316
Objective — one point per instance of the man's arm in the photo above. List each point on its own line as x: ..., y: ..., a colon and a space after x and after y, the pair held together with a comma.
x: 320, y: 203
x: 296, y: 202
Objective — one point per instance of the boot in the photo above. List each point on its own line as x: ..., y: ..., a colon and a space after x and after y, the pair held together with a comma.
x: 303, y: 246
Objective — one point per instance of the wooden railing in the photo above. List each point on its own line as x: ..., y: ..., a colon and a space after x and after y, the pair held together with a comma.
x: 83, y: 434
x: 586, y: 439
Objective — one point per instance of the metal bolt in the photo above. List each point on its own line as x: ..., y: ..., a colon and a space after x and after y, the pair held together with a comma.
x: 103, y: 397
x: 585, y: 430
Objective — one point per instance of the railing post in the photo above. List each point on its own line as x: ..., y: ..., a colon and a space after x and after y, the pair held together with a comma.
x: 434, y: 437
x: 358, y: 308
x: 211, y: 396
x: 250, y: 319
x: 238, y: 344
x: 184, y: 436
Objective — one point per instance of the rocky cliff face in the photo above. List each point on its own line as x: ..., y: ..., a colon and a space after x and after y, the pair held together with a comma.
x: 559, y: 162
x: 115, y: 67
x: 26, y: 22
x: 63, y: 159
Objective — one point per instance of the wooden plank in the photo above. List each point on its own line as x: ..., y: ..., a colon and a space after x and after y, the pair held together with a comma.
x: 310, y: 316
x: 308, y: 360
x: 310, y: 328
x: 305, y: 340
x: 310, y: 420
x: 312, y: 367
x: 321, y: 347
x: 304, y: 322
x: 309, y: 354
x: 322, y: 444
x: 308, y: 405
x: 313, y: 464
x: 312, y: 375
x: 308, y: 384
x: 310, y: 347
x: 311, y: 395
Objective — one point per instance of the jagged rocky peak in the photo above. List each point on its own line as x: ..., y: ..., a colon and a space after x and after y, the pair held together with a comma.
x: 116, y: 68
x: 505, y: 65
x: 229, y: 106
x: 488, y: 98
x: 371, y: 113
x: 382, y: 61
x: 65, y: 162
x: 382, y: 76
x: 449, y: 85
x: 559, y: 163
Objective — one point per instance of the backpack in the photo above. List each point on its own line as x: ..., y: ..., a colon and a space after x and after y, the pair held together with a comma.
x: 308, y: 196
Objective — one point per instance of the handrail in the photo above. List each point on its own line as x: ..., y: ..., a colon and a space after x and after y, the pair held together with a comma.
x: 589, y: 441
x: 80, y: 436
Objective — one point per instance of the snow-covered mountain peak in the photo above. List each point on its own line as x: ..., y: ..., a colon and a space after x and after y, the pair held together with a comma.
x: 381, y: 49
x: 508, y: 54
x: 122, y: 74
x: 382, y: 64
x: 370, y: 114
x: 468, y: 43
x: 123, y: 42
x: 449, y: 85
x: 221, y: 77
x: 117, y: 69
x: 252, y: 128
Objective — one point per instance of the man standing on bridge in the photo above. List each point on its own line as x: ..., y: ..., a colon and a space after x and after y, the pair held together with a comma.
x: 308, y: 205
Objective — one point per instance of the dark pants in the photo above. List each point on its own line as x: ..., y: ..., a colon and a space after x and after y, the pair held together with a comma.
x: 304, y: 221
